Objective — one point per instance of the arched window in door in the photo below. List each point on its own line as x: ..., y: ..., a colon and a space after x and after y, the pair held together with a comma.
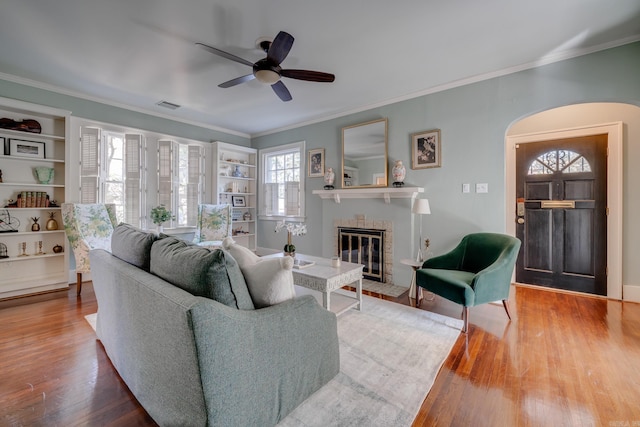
x: 563, y: 161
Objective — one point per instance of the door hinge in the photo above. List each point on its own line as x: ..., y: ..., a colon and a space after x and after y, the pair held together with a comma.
x: 607, y: 211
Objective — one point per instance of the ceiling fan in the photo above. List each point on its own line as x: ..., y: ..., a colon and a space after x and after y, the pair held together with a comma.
x: 268, y: 70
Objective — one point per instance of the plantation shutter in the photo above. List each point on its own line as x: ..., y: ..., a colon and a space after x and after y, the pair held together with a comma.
x: 193, y: 183
x: 270, y: 198
x: 292, y: 198
x: 89, y: 164
x: 133, y: 179
x: 165, y: 170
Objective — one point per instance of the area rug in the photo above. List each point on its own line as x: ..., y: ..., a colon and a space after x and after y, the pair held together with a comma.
x: 390, y: 355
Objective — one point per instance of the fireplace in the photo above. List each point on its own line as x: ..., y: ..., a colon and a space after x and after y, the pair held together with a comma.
x: 363, y: 246
x: 367, y: 242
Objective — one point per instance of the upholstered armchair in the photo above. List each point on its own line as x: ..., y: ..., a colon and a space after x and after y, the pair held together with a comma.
x: 213, y: 225
x: 88, y: 226
x: 475, y: 272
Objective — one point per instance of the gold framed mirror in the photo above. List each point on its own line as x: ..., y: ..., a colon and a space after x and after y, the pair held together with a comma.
x: 364, y: 154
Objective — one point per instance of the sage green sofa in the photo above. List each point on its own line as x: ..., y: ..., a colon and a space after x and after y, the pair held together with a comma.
x: 192, y: 360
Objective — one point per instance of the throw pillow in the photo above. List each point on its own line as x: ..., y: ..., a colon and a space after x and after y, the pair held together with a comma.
x: 200, y: 271
x: 132, y: 245
x: 270, y: 280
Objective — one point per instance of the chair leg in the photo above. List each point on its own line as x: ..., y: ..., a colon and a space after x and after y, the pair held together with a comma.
x: 78, y: 283
x: 506, y: 307
x: 417, y: 294
x: 465, y: 319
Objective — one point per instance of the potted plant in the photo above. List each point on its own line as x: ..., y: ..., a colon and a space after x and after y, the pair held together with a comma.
x: 160, y: 215
x: 298, y: 229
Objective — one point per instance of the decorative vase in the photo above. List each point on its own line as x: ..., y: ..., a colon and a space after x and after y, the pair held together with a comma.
x: 237, y: 172
x: 52, y: 224
x: 44, y: 174
x: 398, y: 172
x: 329, y: 177
x: 58, y: 249
x: 289, y: 248
x: 160, y: 228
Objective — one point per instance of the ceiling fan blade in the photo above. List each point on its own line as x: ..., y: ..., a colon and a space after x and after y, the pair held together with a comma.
x: 280, y: 47
x: 281, y: 90
x: 237, y: 81
x: 224, y: 54
x: 312, y: 76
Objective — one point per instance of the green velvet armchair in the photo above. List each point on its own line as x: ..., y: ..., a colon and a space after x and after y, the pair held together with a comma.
x: 475, y: 272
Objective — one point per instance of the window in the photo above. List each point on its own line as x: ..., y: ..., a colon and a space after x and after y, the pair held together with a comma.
x: 563, y: 161
x: 114, y: 165
x: 180, y: 178
x: 111, y: 171
x: 281, y: 181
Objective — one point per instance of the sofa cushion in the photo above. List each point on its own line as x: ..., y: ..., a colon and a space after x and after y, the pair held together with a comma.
x: 200, y: 271
x: 270, y: 280
x: 132, y: 245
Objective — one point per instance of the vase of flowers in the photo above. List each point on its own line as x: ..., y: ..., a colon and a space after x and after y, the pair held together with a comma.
x: 160, y: 215
x: 293, y: 229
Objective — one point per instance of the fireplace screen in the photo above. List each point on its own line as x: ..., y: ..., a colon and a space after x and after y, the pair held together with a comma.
x: 363, y: 246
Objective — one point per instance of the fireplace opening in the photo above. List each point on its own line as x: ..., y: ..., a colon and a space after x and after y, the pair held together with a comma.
x: 363, y: 246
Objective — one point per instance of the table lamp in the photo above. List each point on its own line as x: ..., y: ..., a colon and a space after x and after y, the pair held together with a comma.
x: 421, y: 207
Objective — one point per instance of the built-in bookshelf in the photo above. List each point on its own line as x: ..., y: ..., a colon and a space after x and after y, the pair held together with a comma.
x: 234, y: 182
x: 33, y: 176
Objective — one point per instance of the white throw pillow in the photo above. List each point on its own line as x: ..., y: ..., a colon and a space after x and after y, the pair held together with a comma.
x: 270, y: 280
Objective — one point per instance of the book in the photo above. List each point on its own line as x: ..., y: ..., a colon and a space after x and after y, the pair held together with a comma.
x: 300, y: 263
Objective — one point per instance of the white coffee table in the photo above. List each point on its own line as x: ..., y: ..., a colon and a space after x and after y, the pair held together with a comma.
x: 324, y: 278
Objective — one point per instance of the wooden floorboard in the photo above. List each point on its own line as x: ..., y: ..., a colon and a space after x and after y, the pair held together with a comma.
x: 565, y: 360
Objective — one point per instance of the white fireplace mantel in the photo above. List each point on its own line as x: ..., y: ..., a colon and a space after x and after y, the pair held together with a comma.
x: 386, y: 193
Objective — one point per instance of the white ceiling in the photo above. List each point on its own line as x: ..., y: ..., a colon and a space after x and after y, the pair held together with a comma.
x: 136, y: 53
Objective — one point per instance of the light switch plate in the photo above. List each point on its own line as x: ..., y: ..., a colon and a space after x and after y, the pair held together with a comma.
x: 482, y: 187
x: 466, y: 188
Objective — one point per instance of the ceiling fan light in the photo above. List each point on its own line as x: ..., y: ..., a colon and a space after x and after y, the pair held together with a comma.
x: 267, y: 76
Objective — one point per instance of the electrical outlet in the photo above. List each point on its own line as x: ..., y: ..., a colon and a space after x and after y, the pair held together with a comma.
x: 482, y: 188
x: 466, y: 188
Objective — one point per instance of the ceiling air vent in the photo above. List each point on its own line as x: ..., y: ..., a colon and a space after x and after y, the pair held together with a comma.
x: 169, y: 105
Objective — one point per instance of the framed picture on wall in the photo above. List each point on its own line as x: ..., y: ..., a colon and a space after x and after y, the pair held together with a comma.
x: 238, y: 201
x: 425, y: 149
x: 316, y: 163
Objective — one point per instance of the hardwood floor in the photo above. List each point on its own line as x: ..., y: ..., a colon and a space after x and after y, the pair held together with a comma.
x: 563, y: 360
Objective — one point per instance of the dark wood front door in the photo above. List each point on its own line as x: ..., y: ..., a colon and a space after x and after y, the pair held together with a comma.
x: 561, y: 191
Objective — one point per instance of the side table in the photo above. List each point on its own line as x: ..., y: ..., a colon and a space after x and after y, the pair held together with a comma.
x: 412, y: 289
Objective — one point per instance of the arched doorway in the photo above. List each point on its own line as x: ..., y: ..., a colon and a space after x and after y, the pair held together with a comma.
x: 565, y: 123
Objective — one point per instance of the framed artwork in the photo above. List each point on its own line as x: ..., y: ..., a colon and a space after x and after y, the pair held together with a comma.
x: 20, y: 148
x: 316, y: 163
x: 425, y: 149
x: 238, y: 201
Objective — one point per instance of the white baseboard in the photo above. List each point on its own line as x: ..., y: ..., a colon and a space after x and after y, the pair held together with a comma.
x: 631, y: 293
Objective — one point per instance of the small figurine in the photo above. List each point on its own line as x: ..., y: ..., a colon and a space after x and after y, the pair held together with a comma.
x: 35, y: 226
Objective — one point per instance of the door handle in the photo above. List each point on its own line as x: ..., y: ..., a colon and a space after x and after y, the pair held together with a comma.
x: 520, y: 220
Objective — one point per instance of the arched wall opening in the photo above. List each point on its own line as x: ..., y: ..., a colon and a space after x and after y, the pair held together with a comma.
x: 621, y: 122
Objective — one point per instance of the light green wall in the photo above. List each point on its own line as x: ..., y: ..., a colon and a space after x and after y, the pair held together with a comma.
x: 473, y: 120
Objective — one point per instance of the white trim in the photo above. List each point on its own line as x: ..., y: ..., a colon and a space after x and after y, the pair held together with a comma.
x: 614, y: 132
x: 631, y: 293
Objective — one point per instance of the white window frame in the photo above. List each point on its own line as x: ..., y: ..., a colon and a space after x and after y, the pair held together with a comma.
x: 96, y: 175
x: 172, y: 200
x: 282, y: 149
